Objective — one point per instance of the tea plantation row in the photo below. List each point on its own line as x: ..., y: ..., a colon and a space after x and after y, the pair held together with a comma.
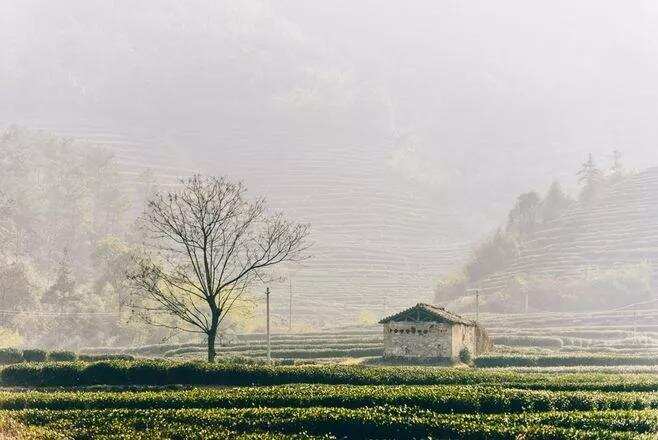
x: 353, y: 423
x: 73, y: 374
x: 438, y: 398
x: 505, y: 360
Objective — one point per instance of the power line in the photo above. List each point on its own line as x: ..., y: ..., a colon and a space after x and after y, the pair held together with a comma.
x: 18, y: 312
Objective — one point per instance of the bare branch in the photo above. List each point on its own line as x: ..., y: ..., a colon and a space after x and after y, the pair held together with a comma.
x: 208, y: 244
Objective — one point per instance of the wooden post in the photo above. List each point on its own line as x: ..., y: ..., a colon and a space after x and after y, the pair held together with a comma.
x: 477, y: 306
x: 267, y: 295
x: 290, y: 307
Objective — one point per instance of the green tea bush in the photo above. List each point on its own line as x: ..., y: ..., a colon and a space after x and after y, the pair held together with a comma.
x: 62, y: 356
x: 110, y: 373
x: 34, y: 355
x: 105, y: 357
x: 465, y: 355
x: 147, y: 373
x: 201, y: 373
x: 254, y: 342
x: 328, y: 353
x: 355, y: 423
x: 47, y: 374
x: 293, y: 353
x: 493, y: 360
x: 56, y: 374
x: 528, y: 341
x: 10, y: 356
x: 185, y: 350
x: 438, y: 398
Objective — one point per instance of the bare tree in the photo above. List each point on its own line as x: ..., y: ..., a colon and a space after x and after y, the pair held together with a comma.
x: 206, y: 244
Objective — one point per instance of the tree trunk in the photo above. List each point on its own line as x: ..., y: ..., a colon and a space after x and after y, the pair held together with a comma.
x: 212, y: 334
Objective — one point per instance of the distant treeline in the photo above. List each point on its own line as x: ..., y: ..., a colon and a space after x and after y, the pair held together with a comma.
x: 66, y: 219
x: 530, y: 213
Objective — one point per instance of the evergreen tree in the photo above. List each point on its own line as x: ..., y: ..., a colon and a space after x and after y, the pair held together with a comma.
x: 17, y: 289
x: 591, y: 179
x: 616, y: 168
x: 522, y: 219
x: 63, y: 292
x: 555, y: 202
x: 500, y: 250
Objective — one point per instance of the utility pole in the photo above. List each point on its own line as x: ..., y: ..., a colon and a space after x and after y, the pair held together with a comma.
x: 477, y: 306
x: 267, y: 295
x: 635, y: 327
x: 526, y: 303
x: 290, y: 306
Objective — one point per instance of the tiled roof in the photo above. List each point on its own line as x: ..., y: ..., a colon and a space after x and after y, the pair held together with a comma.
x: 430, y: 311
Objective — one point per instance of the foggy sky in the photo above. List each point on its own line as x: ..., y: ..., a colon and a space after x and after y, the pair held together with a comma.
x: 401, y: 130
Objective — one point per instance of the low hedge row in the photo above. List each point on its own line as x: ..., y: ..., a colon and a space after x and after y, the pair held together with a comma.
x: 438, y: 398
x: 358, y: 423
x: 105, y: 357
x: 528, y: 341
x: 511, y: 360
x: 200, y: 373
x: 9, y: 356
x: 316, y: 353
x: 292, y: 341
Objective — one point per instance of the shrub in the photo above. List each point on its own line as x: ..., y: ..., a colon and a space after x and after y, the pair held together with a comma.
x: 62, y: 356
x: 10, y: 356
x: 489, y: 361
x: 105, y: 357
x: 243, y: 353
x: 184, y: 350
x: 148, y: 373
x: 465, y: 355
x: 441, y: 398
x: 528, y: 341
x: 399, y: 422
x: 327, y: 353
x: 34, y: 355
x: 202, y: 373
x: 60, y: 373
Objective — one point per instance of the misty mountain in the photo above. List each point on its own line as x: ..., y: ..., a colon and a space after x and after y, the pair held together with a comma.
x: 402, y: 133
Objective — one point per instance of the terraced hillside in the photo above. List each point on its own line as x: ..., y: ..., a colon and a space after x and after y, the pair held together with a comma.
x: 371, y: 251
x: 328, y: 346
x: 622, y: 337
x: 619, y: 227
x: 620, y: 332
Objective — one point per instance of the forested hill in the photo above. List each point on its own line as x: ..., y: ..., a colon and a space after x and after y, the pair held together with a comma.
x: 610, y: 239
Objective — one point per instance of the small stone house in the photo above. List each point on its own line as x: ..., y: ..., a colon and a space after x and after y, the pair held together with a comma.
x: 425, y: 331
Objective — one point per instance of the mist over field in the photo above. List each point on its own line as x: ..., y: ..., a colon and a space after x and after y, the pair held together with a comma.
x: 402, y: 132
x: 312, y: 220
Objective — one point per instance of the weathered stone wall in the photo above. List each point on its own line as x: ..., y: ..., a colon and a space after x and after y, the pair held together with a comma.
x: 463, y: 336
x: 414, y: 339
x: 483, y: 342
x: 428, y: 340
